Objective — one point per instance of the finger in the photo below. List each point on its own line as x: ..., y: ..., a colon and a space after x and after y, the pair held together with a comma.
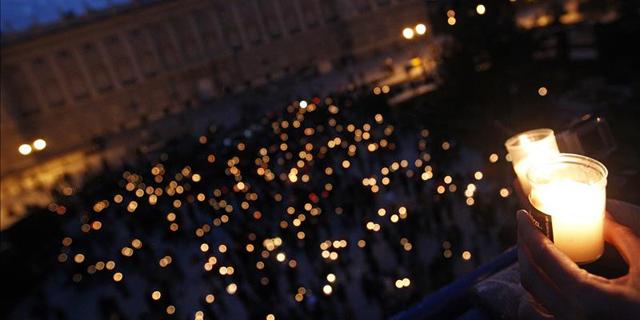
x: 623, y: 239
x: 537, y: 283
x: 559, y: 268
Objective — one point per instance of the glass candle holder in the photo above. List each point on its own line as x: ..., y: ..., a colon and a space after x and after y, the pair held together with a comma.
x: 568, y: 195
x: 529, y: 148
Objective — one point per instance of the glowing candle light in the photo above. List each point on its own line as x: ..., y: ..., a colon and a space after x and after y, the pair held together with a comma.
x: 568, y: 195
x: 530, y: 148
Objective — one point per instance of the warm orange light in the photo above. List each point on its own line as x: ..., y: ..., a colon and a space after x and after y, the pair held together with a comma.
x: 542, y: 91
x: 232, y: 288
x: 24, y: 149
x: 39, y: 144
x: 171, y: 309
x: 327, y: 289
x: 408, y: 33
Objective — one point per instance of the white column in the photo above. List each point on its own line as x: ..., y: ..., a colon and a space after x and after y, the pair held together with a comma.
x: 132, y: 57
x: 33, y: 82
x: 174, y: 39
x: 107, y: 62
x: 303, y: 25
x: 84, y: 70
x: 152, y: 45
x: 197, y: 35
x: 61, y: 80
x: 265, y: 35
x: 238, y: 22
x: 283, y: 26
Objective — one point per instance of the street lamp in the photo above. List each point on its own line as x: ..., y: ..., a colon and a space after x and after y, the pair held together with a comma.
x: 408, y: 33
x: 24, y: 149
x: 39, y: 144
x: 419, y: 30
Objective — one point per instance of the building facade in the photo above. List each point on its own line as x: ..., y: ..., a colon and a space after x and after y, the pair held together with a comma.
x: 76, y: 83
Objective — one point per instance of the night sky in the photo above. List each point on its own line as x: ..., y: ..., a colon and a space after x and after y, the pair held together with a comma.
x: 19, y: 15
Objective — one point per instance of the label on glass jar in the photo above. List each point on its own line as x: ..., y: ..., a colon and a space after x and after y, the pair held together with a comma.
x: 542, y: 221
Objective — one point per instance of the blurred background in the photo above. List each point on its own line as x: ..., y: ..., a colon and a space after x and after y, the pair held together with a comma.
x: 267, y: 159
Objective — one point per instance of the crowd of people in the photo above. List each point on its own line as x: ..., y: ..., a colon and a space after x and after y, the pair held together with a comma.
x: 334, y: 207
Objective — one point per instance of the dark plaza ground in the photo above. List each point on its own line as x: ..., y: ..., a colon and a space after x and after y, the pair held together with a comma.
x: 333, y: 206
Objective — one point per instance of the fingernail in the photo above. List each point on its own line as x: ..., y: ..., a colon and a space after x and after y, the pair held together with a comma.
x: 523, y: 212
x: 526, y: 216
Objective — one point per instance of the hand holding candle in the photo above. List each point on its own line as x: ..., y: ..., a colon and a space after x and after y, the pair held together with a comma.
x: 560, y: 287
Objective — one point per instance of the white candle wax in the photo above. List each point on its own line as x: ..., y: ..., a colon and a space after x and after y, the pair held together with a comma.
x: 529, y: 148
x: 572, y: 191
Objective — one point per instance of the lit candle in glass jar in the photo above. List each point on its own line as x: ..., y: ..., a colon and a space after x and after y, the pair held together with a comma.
x: 529, y: 148
x: 568, y: 195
